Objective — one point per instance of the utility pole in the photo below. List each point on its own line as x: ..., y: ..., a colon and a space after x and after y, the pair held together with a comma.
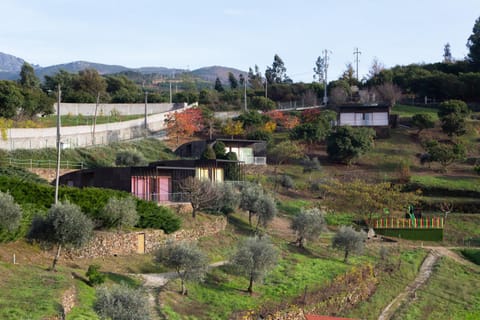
x: 170, y: 91
x: 325, y: 67
x: 356, y: 53
x: 245, y: 95
x: 57, y: 173
x: 146, y: 103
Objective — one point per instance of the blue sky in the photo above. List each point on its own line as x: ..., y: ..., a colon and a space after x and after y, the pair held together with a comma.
x: 240, y: 34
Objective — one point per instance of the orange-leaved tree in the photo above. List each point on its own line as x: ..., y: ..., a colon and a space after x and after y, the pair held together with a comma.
x: 184, y: 124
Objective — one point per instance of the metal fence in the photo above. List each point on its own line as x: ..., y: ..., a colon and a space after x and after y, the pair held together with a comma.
x: 47, y: 164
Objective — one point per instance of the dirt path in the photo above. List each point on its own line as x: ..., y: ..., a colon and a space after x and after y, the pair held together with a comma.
x: 409, y: 292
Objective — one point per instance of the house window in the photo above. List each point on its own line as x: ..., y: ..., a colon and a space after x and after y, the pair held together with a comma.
x: 202, y: 174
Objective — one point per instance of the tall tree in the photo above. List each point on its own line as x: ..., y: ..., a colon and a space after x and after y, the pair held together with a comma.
x: 447, y: 54
x: 319, y: 69
x: 277, y: 73
x: 233, y: 81
x: 254, y: 258
x: 189, y: 262
x: 349, y: 75
x: 218, y: 85
x: 241, y: 79
x: 375, y: 68
x: 473, y: 45
x: 255, y: 78
x: 28, y: 79
x: 11, y: 98
x: 64, y: 225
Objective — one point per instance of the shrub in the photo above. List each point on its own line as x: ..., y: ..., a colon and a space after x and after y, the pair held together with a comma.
x: 286, y: 181
x: 95, y: 277
x: 121, y: 302
x: 129, y: 158
x: 120, y: 212
x: 348, y: 143
x: 157, y: 217
x: 10, y: 212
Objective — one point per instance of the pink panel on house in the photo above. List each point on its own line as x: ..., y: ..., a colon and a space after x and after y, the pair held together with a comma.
x: 163, y: 188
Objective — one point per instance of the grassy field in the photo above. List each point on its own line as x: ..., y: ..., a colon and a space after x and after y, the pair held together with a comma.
x: 70, y: 120
x: 409, y: 111
x: 466, y: 183
x: 407, y: 264
x: 452, y: 293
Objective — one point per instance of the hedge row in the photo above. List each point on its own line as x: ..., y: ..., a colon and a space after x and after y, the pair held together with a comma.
x: 36, y: 198
x: 459, y: 205
x: 441, y: 192
x: 413, y: 234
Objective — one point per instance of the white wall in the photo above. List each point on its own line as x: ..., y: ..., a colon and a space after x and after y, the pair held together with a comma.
x: 88, y: 109
x: 364, y: 119
x: 80, y: 136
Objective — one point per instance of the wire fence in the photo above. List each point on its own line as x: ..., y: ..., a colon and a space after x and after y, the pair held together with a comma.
x: 46, y: 164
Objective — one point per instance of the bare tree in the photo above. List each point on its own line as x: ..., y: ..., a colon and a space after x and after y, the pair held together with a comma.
x: 308, y: 225
x: 389, y: 93
x: 254, y: 258
x: 375, y: 68
x: 349, y: 240
x: 64, y: 225
x: 200, y: 193
x: 189, y: 262
x: 338, y: 95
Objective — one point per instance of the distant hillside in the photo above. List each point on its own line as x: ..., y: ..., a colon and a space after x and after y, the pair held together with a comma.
x: 76, y: 66
x: 10, y: 64
x: 10, y: 68
x: 211, y: 73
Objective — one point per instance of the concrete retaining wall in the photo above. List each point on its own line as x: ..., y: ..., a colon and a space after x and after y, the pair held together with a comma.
x: 81, y: 136
x: 105, y: 109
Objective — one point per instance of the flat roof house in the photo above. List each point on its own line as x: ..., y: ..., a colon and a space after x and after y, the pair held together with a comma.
x: 159, y: 181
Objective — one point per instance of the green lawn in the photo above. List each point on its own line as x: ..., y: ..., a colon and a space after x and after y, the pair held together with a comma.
x: 465, y: 183
x: 409, y: 111
x: 451, y: 293
x: 70, y: 120
x: 30, y: 292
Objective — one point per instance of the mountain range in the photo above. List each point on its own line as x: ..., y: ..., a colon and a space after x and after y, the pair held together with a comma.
x: 10, y: 67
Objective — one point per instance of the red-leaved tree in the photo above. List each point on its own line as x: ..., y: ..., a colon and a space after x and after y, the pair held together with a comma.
x: 184, y: 124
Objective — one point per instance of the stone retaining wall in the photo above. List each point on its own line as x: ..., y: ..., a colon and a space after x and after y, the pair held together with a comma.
x: 124, y: 243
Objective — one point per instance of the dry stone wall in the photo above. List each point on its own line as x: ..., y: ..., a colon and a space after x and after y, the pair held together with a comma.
x: 125, y: 243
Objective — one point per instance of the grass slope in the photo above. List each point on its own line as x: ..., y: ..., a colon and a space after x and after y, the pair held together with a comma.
x: 452, y: 293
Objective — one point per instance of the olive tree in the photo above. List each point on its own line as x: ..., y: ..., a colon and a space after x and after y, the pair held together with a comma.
x: 64, y: 225
x: 265, y: 209
x: 10, y: 212
x: 254, y: 258
x: 349, y: 240
x: 189, y: 262
x: 308, y: 225
x: 120, y: 212
x: 249, y: 195
x: 228, y: 198
x: 121, y: 302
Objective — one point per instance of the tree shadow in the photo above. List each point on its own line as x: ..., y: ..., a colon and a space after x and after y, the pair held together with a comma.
x: 240, y: 226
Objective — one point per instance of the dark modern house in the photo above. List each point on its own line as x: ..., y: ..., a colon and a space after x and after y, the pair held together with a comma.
x: 159, y: 181
x: 247, y: 151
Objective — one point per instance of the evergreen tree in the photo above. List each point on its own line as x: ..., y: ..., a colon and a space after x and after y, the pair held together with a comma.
x: 218, y: 85
x: 473, y: 45
x: 233, y: 81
